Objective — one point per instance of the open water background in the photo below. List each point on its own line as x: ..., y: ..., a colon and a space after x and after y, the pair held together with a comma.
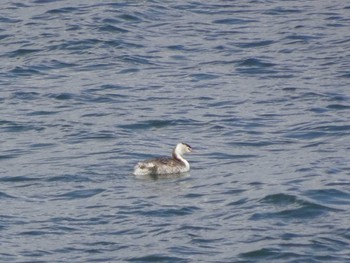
x: 260, y: 89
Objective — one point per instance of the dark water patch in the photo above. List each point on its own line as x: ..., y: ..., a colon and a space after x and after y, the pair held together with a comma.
x: 41, y: 113
x: 67, y: 250
x: 34, y: 254
x: 63, y: 230
x: 239, y: 202
x: 311, y: 96
x: 62, y: 96
x: 106, y: 90
x: 101, y: 244
x: 301, y: 213
x: 254, y: 62
x: 281, y: 10
x: 227, y: 156
x: 36, y: 233
x: 339, y: 241
x: 88, y: 115
x: 193, y: 195
x: 256, y: 184
x: 333, y: 128
x: 126, y: 232
x: 68, y: 178
x: 220, y: 105
x: 318, y: 110
x: 336, y: 25
x: 260, y: 254
x: 25, y: 95
x: 171, y: 211
x: 313, y: 144
x: 45, y: 1
x: 191, y: 251
x: 281, y: 199
x: 219, y: 63
x: 206, y: 98
x: 10, y: 126
x: 92, y: 67
x: 64, y: 220
x: 157, y: 124
x: 4, y: 19
x: 18, y: 179
x: 255, y: 66
x: 5, y: 196
x: 314, y: 131
x: 54, y: 64
x: 301, y: 38
x: 41, y: 145
x: 233, y: 21
x: 112, y: 29
x: 176, y: 47
x: 255, y: 44
x: 78, y: 194
x: 203, y: 77
x: 130, y: 18
x: 62, y: 10
x: 137, y: 60
x: 10, y: 155
x: 290, y: 207
x: 85, y: 135
x: 9, y: 257
x: 255, y: 143
x: 25, y: 71
x: 110, y: 21
x: 14, y: 5
x: 272, y: 101
x: 334, y: 170
x: 80, y: 46
x: 114, y: 87
x: 290, y: 89
x: 105, y: 98
x: 234, y: 192
x: 22, y: 52
x: 338, y: 107
x: 329, y: 196
x: 157, y: 258
x: 340, y: 183
x: 334, y: 96
x: 95, y: 206
x: 2, y: 37
x: 129, y: 71
x: 344, y: 75
x: 280, y: 74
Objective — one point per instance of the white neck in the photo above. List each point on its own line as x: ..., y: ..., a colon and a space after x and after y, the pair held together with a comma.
x: 179, y: 157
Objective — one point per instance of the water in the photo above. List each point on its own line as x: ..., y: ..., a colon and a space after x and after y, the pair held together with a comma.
x: 259, y: 89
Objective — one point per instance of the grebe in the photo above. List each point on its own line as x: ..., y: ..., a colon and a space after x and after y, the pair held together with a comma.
x: 165, y: 165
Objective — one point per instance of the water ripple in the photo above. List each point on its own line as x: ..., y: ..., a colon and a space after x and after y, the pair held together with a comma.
x: 170, y: 212
x: 90, y: 88
x: 77, y: 194
x: 291, y: 207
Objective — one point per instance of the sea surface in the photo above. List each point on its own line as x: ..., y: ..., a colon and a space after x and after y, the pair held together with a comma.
x: 259, y: 89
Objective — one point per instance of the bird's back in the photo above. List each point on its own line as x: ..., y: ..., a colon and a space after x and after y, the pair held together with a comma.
x: 162, y: 165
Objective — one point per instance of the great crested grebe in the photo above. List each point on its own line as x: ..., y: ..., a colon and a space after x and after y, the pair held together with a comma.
x: 165, y: 165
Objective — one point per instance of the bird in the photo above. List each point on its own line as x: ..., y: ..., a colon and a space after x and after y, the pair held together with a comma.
x: 166, y: 165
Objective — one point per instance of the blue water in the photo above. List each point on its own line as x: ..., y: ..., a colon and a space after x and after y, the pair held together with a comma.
x: 260, y: 90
